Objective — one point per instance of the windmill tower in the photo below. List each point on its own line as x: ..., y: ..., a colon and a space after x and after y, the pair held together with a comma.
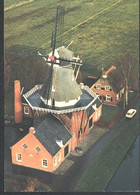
x: 60, y: 79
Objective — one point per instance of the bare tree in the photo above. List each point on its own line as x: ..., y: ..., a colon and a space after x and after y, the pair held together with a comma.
x: 128, y: 65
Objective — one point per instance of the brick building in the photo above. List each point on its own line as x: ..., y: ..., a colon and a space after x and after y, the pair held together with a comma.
x: 62, y: 117
x: 109, y: 87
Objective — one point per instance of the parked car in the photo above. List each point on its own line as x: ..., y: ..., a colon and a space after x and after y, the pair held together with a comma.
x: 130, y: 113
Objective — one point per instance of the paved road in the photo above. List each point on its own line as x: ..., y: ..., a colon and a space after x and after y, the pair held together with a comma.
x: 65, y: 182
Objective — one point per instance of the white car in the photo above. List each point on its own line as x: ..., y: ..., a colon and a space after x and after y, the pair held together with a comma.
x: 130, y: 113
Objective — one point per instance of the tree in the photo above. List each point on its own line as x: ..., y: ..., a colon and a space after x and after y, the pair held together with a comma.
x: 128, y: 65
x: 31, y: 184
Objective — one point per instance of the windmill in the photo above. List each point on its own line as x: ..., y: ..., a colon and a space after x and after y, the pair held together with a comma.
x: 61, y: 62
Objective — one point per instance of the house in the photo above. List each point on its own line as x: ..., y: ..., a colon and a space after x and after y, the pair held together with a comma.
x: 63, y: 113
x: 109, y: 87
x: 44, y: 147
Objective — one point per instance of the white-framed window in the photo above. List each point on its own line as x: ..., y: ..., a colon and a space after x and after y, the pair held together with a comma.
x: 55, y: 161
x: 117, y: 97
x: 19, y: 157
x: 24, y: 146
x: 98, y: 86
x: 26, y: 110
x: 37, y: 149
x: 44, y: 163
x: 107, y: 88
x: 108, y: 98
x: 59, y: 157
x: 53, y: 88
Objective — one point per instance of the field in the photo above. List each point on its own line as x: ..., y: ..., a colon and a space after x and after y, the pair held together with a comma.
x: 100, y: 30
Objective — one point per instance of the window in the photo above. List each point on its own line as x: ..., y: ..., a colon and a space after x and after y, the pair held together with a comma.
x: 117, y: 97
x: 53, y: 102
x: 44, y: 163
x: 37, y: 149
x: 78, y: 119
x: 79, y: 132
x: 26, y: 110
x: 53, y: 88
x: 90, y: 123
x: 19, y: 157
x: 98, y: 86
x: 66, y: 150
x: 97, y: 94
x: 55, y: 161
x: 107, y: 88
x: 24, y: 146
x: 59, y: 157
x: 108, y: 98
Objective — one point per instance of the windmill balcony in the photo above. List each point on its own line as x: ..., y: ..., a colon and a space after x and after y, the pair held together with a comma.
x: 86, y: 99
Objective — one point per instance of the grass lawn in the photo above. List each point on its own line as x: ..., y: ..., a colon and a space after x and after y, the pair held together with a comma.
x: 109, y: 112
x: 100, y: 29
x: 100, y: 172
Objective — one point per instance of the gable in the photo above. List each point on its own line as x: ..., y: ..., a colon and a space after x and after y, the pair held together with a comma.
x: 31, y: 142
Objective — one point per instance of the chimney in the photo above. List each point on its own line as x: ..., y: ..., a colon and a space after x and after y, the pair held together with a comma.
x: 109, y: 70
x: 31, y: 130
x: 17, y: 102
x: 59, y: 143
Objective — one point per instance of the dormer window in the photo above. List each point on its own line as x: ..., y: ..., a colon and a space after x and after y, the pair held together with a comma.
x: 98, y: 86
x: 107, y: 88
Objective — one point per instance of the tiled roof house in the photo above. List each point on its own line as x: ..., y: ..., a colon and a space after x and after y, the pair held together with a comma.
x: 109, y: 87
